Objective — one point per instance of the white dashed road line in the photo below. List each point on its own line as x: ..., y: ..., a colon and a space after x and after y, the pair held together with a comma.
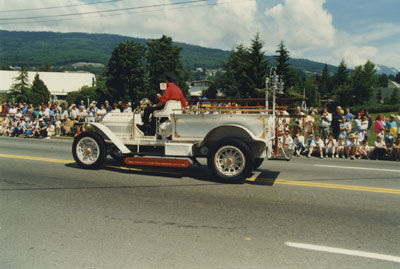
x: 343, y: 251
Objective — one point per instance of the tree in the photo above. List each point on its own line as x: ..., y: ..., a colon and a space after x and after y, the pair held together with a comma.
x: 39, y: 92
x: 379, y: 96
x: 46, y: 67
x: 325, y: 82
x: 363, y: 82
x: 383, y: 81
x: 20, y: 89
x: 236, y: 82
x: 283, y: 67
x: 341, y: 75
x: 394, y: 98
x: 165, y: 58
x: 397, y: 78
x: 126, y: 71
x: 258, y: 63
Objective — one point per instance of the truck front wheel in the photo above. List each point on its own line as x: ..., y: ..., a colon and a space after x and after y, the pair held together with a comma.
x: 89, y: 150
x: 231, y: 160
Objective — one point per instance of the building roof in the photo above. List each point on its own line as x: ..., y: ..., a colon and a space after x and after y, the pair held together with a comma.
x: 58, y: 83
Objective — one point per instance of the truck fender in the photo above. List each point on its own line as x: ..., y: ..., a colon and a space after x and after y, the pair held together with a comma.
x: 257, y: 145
x: 107, y: 134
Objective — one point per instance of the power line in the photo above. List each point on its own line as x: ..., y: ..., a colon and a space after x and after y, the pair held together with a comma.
x: 104, y: 11
x: 55, y: 7
x: 135, y: 12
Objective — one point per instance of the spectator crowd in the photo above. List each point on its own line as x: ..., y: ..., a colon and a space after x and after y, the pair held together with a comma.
x: 51, y: 119
x: 341, y: 135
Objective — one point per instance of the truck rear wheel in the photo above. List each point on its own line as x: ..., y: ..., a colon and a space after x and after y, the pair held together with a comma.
x: 89, y: 150
x: 231, y: 160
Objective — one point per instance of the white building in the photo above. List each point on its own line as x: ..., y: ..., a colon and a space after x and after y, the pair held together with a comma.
x: 58, y: 83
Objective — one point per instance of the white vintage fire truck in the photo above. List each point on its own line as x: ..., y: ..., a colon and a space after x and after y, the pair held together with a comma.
x: 235, y: 140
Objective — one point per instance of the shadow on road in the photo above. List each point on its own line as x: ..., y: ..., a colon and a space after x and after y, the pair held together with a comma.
x: 201, y: 173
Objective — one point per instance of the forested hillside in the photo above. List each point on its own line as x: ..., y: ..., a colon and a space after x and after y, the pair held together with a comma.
x: 65, y: 49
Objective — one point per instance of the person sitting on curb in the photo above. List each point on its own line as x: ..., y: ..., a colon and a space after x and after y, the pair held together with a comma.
x: 351, y: 146
x: 317, y: 146
x: 299, y: 144
x: 364, y: 150
x: 379, y: 151
x: 340, y: 148
x: 330, y: 146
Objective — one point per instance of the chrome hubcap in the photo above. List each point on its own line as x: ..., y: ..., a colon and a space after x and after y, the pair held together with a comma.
x: 88, y: 150
x: 230, y: 160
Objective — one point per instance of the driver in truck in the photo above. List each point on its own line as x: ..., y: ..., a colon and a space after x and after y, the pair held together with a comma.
x: 172, y: 92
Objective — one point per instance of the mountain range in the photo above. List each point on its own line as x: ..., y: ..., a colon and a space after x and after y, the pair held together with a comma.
x: 65, y: 50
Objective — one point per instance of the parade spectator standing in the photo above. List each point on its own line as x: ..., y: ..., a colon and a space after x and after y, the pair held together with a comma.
x: 360, y: 129
x: 74, y: 112
x: 335, y: 124
x: 115, y: 109
x: 349, y: 116
x: 298, y: 120
x: 309, y: 124
x: 365, y: 112
x: 391, y: 124
x: 345, y: 128
x: 380, y: 125
x: 64, y: 112
x: 101, y: 112
x: 107, y: 106
x: 82, y: 114
x: 91, y: 113
x: 82, y: 104
x: 325, y: 123
x: 57, y: 125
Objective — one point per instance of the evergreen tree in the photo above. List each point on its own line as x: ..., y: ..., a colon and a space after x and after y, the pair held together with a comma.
x: 341, y: 75
x: 325, y: 82
x: 39, y: 92
x: 126, y: 71
x: 46, y: 67
x: 258, y: 63
x: 283, y: 67
x: 397, y: 78
x: 20, y: 89
x: 394, y: 98
x: 383, y: 81
x: 379, y: 96
x: 165, y: 58
x: 236, y: 82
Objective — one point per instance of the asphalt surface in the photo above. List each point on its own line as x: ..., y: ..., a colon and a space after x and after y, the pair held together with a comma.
x: 56, y: 215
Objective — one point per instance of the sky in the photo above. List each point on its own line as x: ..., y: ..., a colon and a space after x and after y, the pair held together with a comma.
x: 326, y: 31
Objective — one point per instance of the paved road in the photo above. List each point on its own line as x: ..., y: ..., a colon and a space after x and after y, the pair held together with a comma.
x: 306, y: 213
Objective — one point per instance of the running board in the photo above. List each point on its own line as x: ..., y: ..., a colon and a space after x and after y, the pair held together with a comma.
x: 160, y: 162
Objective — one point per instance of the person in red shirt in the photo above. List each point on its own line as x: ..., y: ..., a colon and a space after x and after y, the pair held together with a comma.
x: 172, y: 92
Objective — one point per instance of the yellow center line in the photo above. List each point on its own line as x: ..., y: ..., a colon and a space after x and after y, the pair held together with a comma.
x: 253, y: 178
x: 31, y: 158
x: 335, y: 186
